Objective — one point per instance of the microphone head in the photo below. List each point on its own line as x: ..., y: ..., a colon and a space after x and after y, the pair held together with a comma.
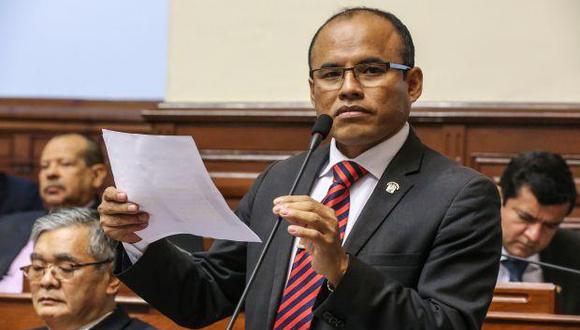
x: 322, y: 125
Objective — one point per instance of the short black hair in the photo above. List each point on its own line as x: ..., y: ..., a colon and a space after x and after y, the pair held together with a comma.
x: 92, y: 153
x: 545, y: 173
x: 408, y: 50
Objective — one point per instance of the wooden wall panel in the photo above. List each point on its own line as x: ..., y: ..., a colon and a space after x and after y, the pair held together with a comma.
x: 238, y: 141
x: 27, y: 124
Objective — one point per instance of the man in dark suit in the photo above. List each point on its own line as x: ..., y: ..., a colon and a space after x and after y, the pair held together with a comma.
x: 18, y: 195
x: 404, y: 238
x: 70, y: 274
x: 538, y: 192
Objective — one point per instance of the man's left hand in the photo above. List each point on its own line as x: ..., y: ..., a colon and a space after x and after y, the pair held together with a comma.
x: 317, y: 227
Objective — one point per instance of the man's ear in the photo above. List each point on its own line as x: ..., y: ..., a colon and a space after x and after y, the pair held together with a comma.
x: 114, y: 284
x: 415, y: 83
x: 99, y: 175
x: 311, y: 84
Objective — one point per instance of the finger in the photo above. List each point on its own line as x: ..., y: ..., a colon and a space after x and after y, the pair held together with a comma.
x: 309, y: 206
x: 306, y: 219
x: 111, y: 194
x: 289, y: 199
x: 308, y: 236
x: 112, y: 208
x: 123, y: 236
x: 121, y: 220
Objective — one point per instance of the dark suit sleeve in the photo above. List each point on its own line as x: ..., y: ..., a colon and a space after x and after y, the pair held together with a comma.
x: 455, y: 285
x: 193, y: 290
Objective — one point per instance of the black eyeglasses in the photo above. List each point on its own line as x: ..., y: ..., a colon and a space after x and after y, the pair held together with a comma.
x: 61, y: 271
x: 368, y: 74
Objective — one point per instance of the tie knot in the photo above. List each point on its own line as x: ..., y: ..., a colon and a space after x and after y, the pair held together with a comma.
x: 347, y: 172
x: 516, y: 268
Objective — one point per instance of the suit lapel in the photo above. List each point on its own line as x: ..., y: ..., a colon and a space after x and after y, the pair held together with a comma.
x: 283, y: 241
x: 383, y: 200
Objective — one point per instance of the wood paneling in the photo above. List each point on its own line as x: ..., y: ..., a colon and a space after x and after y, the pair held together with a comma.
x: 242, y: 139
x: 239, y: 140
x: 27, y: 124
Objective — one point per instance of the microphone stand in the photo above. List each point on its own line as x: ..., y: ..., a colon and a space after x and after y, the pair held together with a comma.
x: 544, y: 264
x: 316, y: 139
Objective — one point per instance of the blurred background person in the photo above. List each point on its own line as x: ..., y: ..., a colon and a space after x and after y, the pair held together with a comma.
x: 18, y: 195
x: 538, y: 192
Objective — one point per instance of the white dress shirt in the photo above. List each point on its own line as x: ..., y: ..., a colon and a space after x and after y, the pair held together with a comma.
x: 532, y: 273
x: 13, y: 281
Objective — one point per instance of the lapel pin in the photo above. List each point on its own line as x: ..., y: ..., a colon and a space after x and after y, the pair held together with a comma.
x: 392, y: 187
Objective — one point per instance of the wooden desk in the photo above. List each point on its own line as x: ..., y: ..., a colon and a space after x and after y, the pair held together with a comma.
x: 514, y: 306
x: 17, y: 313
x: 531, y: 321
x: 524, y: 298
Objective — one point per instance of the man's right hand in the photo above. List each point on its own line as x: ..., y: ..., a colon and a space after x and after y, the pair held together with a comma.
x: 120, y: 219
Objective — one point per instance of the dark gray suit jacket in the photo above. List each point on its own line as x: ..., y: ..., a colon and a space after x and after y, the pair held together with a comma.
x: 18, y: 195
x: 563, y: 251
x: 424, y: 257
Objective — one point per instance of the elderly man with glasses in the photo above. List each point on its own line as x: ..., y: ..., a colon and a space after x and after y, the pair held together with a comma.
x: 70, y: 274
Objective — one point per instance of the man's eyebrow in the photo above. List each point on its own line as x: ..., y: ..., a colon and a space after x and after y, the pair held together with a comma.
x: 330, y: 65
x: 367, y: 60
x: 65, y: 257
x: 59, y: 257
x: 525, y: 215
x: 36, y: 256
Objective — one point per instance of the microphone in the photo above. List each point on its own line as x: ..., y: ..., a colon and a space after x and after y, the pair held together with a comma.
x: 320, y: 130
x: 544, y: 264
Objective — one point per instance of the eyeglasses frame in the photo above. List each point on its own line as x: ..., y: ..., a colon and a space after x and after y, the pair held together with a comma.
x: 390, y: 65
x: 75, y: 266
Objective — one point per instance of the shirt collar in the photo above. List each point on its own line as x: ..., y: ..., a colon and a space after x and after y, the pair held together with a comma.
x: 376, y: 159
x: 533, y: 257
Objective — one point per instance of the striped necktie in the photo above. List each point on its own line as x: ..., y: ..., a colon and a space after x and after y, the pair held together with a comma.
x: 295, y: 310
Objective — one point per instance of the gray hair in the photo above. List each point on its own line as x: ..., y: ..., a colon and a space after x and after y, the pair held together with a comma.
x: 100, y: 247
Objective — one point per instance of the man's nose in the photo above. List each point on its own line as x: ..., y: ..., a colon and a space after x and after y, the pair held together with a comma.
x: 351, y: 88
x: 534, y: 232
x: 48, y: 279
x: 51, y: 171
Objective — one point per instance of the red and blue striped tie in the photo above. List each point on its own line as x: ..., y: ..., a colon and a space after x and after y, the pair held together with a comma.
x: 295, y: 310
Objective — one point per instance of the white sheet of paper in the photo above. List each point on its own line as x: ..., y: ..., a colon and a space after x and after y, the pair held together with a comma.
x: 167, y: 178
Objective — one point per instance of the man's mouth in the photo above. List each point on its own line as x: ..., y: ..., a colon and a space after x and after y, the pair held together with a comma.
x: 49, y: 300
x: 53, y: 189
x: 350, y: 111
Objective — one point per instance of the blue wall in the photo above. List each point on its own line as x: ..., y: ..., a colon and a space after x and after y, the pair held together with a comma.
x: 88, y: 49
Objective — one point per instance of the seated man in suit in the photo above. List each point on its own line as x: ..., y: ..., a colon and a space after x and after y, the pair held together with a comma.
x: 538, y: 191
x: 72, y: 170
x: 383, y: 233
x: 70, y: 274
x: 18, y: 195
